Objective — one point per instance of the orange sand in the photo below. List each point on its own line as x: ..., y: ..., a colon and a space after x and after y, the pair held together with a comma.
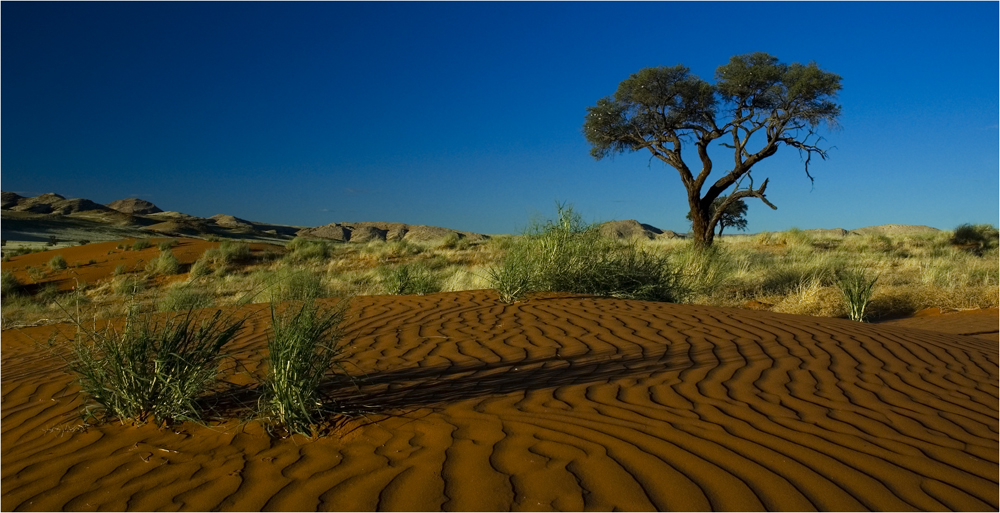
x: 561, y: 402
x: 107, y: 257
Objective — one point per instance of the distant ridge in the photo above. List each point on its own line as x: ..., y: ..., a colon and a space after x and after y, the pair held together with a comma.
x: 368, y: 231
x: 134, y: 206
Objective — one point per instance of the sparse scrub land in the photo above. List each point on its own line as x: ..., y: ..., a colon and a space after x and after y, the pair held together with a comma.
x: 789, y: 272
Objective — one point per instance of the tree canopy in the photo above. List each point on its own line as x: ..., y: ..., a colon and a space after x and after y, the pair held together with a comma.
x: 756, y: 106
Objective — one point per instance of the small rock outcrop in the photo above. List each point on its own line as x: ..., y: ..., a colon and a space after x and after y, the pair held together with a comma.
x: 9, y: 199
x: 369, y: 231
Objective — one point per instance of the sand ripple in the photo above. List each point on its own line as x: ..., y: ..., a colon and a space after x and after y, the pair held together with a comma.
x: 564, y: 403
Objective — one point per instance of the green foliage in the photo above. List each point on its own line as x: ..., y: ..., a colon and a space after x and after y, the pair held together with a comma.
x: 302, y: 250
x: 658, y: 109
x: 566, y: 255
x: 119, y: 270
x: 10, y: 285
x: 184, y: 297
x: 294, y: 284
x: 408, y: 279
x: 35, y: 273
x: 129, y: 286
x: 304, y: 346
x: 164, y: 265
x: 235, y: 251
x: 857, y: 287
x: 978, y: 237
x: 57, y: 263
x: 84, y: 242
x: 199, y: 268
x: 167, y: 244
x: 148, y: 370
x: 141, y: 244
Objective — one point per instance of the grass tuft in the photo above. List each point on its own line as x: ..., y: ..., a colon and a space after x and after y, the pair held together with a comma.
x: 857, y: 287
x: 57, y: 263
x: 304, y: 346
x: 151, y: 371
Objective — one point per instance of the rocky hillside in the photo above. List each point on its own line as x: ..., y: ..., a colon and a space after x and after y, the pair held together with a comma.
x: 368, y: 231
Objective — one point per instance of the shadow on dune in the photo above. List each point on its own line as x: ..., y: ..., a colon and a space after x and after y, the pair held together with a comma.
x: 426, y: 386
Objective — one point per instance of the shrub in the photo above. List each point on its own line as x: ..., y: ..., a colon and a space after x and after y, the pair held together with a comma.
x: 199, y: 268
x: 129, y: 286
x: 10, y: 285
x: 295, y: 284
x: 568, y: 256
x: 91, y: 261
x: 57, y: 263
x: 408, y: 279
x: 84, y: 242
x: 141, y: 244
x: 167, y: 244
x: 978, y: 237
x: 149, y: 370
x: 301, y: 250
x: 304, y: 345
x: 52, y: 240
x: 119, y: 270
x: 857, y: 287
x: 234, y: 251
x: 164, y: 265
x: 510, y: 279
x: 183, y: 297
x: 35, y: 273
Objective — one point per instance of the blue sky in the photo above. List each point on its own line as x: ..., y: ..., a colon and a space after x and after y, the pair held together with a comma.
x: 469, y: 115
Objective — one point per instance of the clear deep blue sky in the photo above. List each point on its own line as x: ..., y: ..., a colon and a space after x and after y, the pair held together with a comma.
x: 469, y: 115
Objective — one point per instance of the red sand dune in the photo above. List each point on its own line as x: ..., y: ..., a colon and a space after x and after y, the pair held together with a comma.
x: 106, y: 258
x: 561, y: 402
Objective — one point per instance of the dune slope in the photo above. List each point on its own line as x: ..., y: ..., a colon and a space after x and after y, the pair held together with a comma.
x: 560, y: 402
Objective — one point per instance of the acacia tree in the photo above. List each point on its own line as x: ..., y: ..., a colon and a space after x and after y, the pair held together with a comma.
x: 757, y: 103
x: 734, y: 215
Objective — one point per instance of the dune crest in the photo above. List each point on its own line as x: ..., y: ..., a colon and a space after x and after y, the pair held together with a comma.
x: 559, y: 402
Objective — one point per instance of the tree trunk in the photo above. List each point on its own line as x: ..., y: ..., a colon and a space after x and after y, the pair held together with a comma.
x: 703, y: 234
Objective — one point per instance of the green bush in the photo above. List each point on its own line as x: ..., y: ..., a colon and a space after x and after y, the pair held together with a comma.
x: 568, y: 256
x: 164, y: 265
x: 119, y: 270
x: 294, y: 284
x: 301, y: 250
x: 305, y: 344
x: 10, y: 285
x: 235, y: 251
x: 149, y: 370
x: 141, y: 244
x: 408, y: 279
x: 199, y: 268
x: 57, y: 263
x: 183, y: 297
x: 857, y: 287
x: 167, y: 244
x: 129, y: 286
x: 980, y: 236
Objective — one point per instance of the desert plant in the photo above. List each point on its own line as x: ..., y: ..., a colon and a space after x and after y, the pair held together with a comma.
x: 976, y: 237
x: 57, y: 263
x: 35, y: 273
x: 510, y: 279
x: 141, y: 244
x: 10, y: 285
x: 294, y: 284
x: 167, y: 244
x: 52, y: 240
x: 304, y: 345
x: 166, y: 264
x: 857, y: 286
x: 183, y: 297
x: 129, y: 286
x: 199, y: 268
x: 301, y: 250
x: 148, y: 370
x: 408, y: 279
x: 233, y: 251
x: 84, y: 242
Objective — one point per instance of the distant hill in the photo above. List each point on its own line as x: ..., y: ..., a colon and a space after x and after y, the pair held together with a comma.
x: 368, y: 231
x: 134, y: 206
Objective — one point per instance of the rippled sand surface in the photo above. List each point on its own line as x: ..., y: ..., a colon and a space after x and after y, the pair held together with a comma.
x: 565, y: 403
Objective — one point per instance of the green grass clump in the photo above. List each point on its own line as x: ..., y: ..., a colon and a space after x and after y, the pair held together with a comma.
x: 183, y: 297
x: 57, y: 263
x: 857, y: 286
x: 302, y: 250
x: 294, y: 284
x: 978, y: 237
x: 235, y: 251
x: 10, y: 285
x: 167, y: 244
x: 147, y: 370
x: 164, y: 265
x: 141, y: 244
x: 305, y: 344
x: 568, y: 256
x: 413, y: 278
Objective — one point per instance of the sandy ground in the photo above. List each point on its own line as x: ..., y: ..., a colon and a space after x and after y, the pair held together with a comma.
x: 560, y: 402
x: 106, y: 257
